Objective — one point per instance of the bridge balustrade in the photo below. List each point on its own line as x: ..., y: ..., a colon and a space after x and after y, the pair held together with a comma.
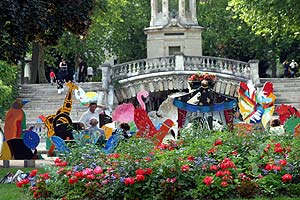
x: 181, y: 63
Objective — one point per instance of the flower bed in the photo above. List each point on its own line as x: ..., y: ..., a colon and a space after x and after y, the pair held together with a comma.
x: 201, y: 165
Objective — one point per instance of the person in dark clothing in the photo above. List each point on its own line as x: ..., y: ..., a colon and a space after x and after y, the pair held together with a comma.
x: 287, y: 71
x: 82, y: 70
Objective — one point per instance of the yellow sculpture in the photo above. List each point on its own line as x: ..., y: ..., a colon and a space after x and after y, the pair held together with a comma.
x: 62, y: 113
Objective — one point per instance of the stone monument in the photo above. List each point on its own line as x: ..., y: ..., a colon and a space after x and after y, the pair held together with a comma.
x: 173, y: 29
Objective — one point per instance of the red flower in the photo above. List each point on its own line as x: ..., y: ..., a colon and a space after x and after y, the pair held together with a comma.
x: 139, y: 172
x: 278, y: 150
x: 33, y: 173
x: 213, y: 167
x: 79, y: 174
x: 277, y: 168
x: 191, y: 158
x: 269, y: 167
x: 73, y: 180
x: 148, y: 171
x: 277, y: 145
x: 45, y: 176
x: 129, y: 181
x: 224, y: 184
x: 218, y: 142
x: 19, y: 184
x: 220, y: 173
x: 185, y: 168
x: 286, y: 178
x: 208, y: 180
x: 140, y: 178
x: 283, y: 162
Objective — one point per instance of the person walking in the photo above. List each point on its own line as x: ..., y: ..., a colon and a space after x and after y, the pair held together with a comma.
x: 63, y: 68
x: 82, y: 70
x: 287, y: 71
x: 52, y: 77
x: 294, y: 68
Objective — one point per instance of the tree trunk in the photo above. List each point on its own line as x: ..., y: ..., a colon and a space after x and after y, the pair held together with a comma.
x: 38, y: 69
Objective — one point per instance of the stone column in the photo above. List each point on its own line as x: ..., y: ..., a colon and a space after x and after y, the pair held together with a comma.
x: 179, y: 62
x: 107, y: 85
x: 181, y: 9
x: 254, y: 74
x: 165, y: 11
x: 153, y: 12
x: 193, y: 10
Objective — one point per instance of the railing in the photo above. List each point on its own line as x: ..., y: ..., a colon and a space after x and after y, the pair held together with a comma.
x: 215, y: 64
x: 181, y: 63
x: 143, y: 66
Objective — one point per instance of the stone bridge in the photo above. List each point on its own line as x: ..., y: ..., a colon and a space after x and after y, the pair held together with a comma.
x: 169, y: 74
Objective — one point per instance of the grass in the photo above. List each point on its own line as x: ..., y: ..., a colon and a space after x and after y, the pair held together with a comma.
x: 11, y: 191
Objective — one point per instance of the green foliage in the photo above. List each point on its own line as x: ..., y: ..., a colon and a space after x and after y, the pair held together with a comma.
x: 229, y: 37
x: 8, y: 86
x: 43, y: 22
x: 201, y: 165
x: 116, y: 31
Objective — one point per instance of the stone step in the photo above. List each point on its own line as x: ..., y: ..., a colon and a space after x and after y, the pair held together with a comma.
x: 44, y: 99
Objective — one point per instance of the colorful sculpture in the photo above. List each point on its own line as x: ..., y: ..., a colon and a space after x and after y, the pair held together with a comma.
x: 63, y: 112
x: 285, y: 112
x: 205, y: 105
x: 15, y: 120
x: 85, y: 97
x: 256, y: 107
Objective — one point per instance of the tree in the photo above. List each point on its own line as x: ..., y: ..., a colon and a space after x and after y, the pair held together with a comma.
x: 271, y: 18
x: 277, y: 21
x: 40, y: 22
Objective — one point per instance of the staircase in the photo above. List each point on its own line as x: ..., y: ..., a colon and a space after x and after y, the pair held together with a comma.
x: 44, y: 99
x: 286, y: 90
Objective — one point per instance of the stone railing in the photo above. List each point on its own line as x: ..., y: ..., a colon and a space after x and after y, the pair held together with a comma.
x: 231, y: 68
x: 143, y: 66
x: 221, y: 65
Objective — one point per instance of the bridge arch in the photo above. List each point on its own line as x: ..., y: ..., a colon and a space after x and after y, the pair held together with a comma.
x: 169, y: 74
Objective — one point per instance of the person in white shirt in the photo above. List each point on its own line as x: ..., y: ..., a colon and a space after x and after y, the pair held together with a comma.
x: 294, y: 68
x: 90, y: 73
x: 93, y: 111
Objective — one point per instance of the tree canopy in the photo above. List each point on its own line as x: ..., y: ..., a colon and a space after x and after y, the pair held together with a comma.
x: 272, y: 18
x: 40, y: 21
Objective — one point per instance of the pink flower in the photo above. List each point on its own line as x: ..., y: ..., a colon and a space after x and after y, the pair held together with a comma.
x: 208, y: 180
x: 87, y: 171
x: 98, y: 170
x: 220, y: 173
x: 286, y: 178
x: 90, y: 176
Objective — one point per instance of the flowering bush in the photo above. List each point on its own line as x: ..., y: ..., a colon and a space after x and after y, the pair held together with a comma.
x: 204, y: 76
x: 201, y: 165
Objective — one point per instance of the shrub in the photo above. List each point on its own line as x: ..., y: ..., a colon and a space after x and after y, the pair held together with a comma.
x: 201, y: 165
